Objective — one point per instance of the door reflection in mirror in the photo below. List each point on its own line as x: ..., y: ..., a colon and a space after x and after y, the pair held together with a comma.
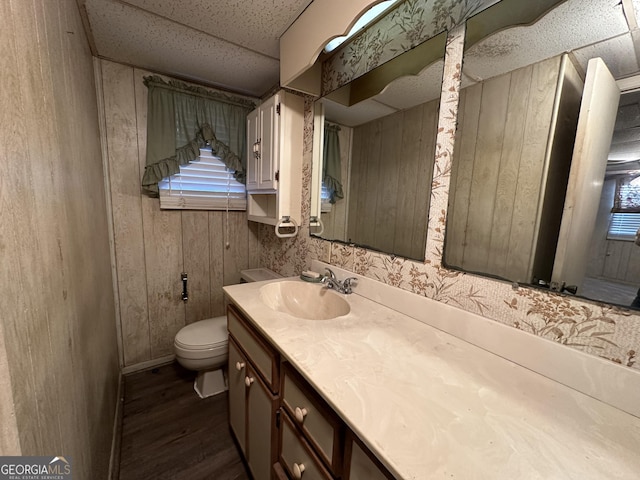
x: 505, y: 208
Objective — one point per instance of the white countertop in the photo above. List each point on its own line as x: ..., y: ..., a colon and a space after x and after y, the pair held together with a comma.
x: 432, y: 406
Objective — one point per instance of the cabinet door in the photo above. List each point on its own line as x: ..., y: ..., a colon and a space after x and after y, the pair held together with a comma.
x: 260, y: 418
x: 253, y: 147
x: 269, y: 144
x: 237, y: 395
x: 361, y: 464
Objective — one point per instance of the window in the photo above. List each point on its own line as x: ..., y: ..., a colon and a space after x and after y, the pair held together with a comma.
x: 623, y: 226
x: 325, y: 204
x: 205, y: 184
x: 625, y: 219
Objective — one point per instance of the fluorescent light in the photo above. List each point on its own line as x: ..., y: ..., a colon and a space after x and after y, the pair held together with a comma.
x: 362, y: 22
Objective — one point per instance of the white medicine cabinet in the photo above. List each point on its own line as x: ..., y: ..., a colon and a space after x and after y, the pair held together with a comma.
x: 274, y: 162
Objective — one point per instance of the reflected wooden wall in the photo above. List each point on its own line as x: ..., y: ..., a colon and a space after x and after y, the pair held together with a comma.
x: 615, y: 260
x: 507, y: 167
x: 390, y: 188
x: 153, y: 247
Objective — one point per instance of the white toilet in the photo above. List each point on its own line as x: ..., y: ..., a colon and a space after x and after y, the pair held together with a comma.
x: 203, y: 346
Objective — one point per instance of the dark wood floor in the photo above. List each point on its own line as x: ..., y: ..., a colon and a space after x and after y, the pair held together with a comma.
x: 169, y: 432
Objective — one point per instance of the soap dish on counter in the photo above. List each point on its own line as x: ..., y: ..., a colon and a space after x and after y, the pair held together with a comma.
x: 309, y: 276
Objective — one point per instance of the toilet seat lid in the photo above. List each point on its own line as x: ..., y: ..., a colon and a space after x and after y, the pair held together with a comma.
x: 203, y: 334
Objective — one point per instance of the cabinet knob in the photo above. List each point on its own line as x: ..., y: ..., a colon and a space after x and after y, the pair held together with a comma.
x: 298, y: 470
x: 248, y: 381
x: 239, y: 365
x: 300, y: 413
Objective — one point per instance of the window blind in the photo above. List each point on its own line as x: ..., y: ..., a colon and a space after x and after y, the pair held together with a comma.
x: 325, y: 204
x: 205, y: 184
x: 623, y: 226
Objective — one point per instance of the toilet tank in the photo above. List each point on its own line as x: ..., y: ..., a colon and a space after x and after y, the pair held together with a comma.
x: 258, y: 275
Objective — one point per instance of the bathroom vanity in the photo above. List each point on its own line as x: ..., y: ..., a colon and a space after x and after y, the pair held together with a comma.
x: 283, y: 427
x: 377, y: 394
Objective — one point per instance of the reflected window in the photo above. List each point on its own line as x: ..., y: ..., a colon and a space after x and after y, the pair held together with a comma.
x: 625, y: 217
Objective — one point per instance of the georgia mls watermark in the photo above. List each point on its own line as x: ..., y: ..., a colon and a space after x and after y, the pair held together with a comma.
x: 35, y: 468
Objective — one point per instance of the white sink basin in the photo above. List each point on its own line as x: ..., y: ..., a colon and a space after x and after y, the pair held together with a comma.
x: 310, y: 301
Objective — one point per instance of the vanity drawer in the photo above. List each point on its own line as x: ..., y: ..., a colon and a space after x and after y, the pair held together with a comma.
x: 318, y: 423
x: 297, y: 457
x: 263, y: 357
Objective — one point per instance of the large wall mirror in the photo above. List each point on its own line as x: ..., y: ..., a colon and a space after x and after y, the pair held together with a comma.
x: 374, y: 152
x: 544, y: 188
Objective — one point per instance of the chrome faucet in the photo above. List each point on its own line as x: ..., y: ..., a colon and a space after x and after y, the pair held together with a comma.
x: 331, y: 281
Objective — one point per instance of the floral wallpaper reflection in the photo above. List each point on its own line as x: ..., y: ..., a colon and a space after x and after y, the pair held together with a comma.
x: 403, y: 28
x: 598, y: 329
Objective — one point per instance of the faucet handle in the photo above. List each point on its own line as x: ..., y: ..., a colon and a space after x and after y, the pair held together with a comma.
x: 347, y: 284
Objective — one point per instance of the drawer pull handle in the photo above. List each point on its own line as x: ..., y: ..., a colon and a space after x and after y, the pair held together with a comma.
x: 248, y: 381
x: 298, y: 470
x: 300, y: 413
x: 239, y: 366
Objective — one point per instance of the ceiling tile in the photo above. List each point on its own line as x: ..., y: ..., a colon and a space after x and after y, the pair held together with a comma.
x: 133, y: 36
x: 255, y: 24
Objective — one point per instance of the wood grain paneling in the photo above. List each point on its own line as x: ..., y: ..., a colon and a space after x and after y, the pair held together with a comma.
x: 58, y: 324
x: 153, y: 247
x: 195, y: 235
x: 500, y: 169
x: 124, y: 172
x: 382, y: 215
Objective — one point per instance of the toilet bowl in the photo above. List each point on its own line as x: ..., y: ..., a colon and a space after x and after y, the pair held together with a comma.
x: 203, y: 346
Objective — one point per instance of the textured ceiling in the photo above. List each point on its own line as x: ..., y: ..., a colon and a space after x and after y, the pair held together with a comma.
x: 232, y: 44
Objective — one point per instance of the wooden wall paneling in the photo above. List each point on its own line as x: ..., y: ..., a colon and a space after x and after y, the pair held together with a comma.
x: 93, y: 331
x: 409, y: 152
x: 625, y: 258
x: 356, y: 183
x: 633, y: 266
x: 216, y: 262
x: 510, y: 157
x: 367, y: 216
x: 599, y: 246
x: 163, y: 257
x: 612, y: 262
x: 124, y: 172
x: 63, y: 297
x: 463, y: 158
x: 20, y: 242
x: 387, y: 183
x: 489, y: 145
x: 544, y: 81
x: 235, y: 255
x: 196, y: 251
x: 162, y: 233
x: 69, y: 258
x: 341, y: 218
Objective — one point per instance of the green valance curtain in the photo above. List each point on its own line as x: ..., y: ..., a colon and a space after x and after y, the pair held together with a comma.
x: 331, y: 166
x: 181, y: 119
